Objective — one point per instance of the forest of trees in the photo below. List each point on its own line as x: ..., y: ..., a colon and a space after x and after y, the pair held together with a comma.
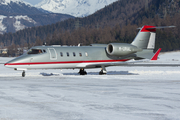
x: 117, y: 22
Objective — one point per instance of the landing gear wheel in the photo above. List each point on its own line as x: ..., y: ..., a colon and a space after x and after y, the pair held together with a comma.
x: 23, y: 74
x: 82, y: 72
x: 103, y: 71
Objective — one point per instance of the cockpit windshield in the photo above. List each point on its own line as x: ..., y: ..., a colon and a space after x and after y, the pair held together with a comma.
x: 35, y: 51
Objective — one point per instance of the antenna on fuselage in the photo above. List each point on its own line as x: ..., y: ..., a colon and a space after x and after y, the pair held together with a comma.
x: 44, y: 43
x: 80, y: 44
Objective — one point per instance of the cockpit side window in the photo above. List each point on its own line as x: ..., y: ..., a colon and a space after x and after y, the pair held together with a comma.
x: 35, y: 51
x: 44, y: 51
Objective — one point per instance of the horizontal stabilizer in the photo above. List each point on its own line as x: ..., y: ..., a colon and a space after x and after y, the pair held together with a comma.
x: 154, y: 27
x: 161, y: 27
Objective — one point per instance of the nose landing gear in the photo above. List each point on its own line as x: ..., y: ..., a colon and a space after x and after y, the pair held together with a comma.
x: 20, y: 69
x: 23, y: 74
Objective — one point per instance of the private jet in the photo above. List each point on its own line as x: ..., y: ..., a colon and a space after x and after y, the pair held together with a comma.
x: 92, y: 56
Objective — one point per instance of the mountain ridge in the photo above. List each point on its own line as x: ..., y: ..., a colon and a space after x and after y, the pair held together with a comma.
x: 77, y: 8
x: 6, y: 2
x: 17, y: 15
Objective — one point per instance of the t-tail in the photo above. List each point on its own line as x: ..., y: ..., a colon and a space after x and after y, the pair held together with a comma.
x: 145, y: 40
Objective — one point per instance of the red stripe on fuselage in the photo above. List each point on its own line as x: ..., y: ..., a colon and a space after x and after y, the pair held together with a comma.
x: 65, y: 62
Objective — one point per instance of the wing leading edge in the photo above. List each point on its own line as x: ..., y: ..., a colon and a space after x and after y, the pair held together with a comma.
x: 133, y: 64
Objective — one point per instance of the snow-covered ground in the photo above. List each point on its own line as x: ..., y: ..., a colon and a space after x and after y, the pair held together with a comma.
x: 125, y: 93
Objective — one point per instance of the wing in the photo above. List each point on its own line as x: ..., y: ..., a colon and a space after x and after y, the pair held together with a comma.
x: 134, y: 64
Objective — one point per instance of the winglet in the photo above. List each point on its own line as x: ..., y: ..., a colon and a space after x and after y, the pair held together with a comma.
x: 156, y: 54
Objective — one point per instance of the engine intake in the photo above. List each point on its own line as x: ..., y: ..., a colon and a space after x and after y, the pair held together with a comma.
x: 121, y: 49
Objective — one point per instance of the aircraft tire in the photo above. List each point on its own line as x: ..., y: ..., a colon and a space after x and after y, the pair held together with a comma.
x: 23, y: 74
x: 102, y: 73
x: 82, y: 72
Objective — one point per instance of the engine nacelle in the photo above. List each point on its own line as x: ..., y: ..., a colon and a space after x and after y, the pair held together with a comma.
x: 121, y: 49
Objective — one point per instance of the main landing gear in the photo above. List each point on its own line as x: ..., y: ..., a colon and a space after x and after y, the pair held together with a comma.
x: 103, y: 71
x: 82, y: 72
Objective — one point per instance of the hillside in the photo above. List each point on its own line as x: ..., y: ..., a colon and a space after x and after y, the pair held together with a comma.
x: 117, y: 22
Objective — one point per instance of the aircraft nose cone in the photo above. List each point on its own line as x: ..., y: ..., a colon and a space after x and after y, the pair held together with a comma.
x: 7, y: 64
x: 11, y: 62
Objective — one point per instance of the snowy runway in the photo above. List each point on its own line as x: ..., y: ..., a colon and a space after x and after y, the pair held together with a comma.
x: 125, y: 93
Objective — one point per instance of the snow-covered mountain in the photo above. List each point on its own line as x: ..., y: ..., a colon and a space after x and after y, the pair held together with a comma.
x: 77, y: 8
x: 6, y: 2
x: 14, y: 23
x: 16, y: 15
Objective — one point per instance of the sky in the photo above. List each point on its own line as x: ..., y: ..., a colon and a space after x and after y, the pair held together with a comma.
x: 33, y: 2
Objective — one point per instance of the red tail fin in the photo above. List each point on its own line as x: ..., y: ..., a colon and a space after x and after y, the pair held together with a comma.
x: 156, y: 54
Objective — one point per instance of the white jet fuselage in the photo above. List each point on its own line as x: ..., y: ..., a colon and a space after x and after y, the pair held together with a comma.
x: 64, y: 57
x: 94, y: 56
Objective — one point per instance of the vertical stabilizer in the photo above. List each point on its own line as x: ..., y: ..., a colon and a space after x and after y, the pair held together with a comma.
x: 145, y: 39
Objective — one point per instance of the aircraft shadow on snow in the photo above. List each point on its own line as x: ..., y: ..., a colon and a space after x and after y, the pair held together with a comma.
x: 92, y: 73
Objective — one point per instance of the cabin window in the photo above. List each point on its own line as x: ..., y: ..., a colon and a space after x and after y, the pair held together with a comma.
x: 44, y: 51
x: 74, y: 54
x: 61, y: 54
x: 80, y: 54
x: 34, y: 51
x: 86, y: 54
x: 68, y: 54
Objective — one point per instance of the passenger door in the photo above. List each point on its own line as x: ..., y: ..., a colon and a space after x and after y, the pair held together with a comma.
x: 53, y: 54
